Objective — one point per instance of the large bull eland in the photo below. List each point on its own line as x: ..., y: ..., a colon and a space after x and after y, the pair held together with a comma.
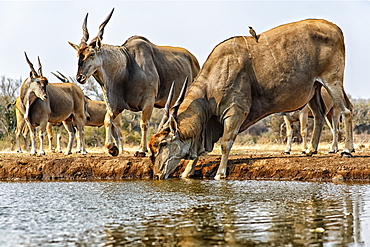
x: 136, y: 76
x: 243, y: 81
x: 52, y: 102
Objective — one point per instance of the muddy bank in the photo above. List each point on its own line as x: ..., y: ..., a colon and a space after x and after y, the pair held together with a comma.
x: 322, y: 167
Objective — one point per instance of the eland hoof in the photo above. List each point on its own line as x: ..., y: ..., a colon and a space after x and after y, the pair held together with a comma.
x: 113, y: 151
x: 139, y: 154
x: 346, y: 154
x: 310, y: 153
x: 286, y: 152
x: 220, y: 177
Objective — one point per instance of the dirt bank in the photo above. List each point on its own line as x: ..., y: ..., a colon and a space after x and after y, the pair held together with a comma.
x: 258, y: 165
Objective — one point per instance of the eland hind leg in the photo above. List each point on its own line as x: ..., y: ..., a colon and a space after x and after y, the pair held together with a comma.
x: 341, y: 101
x: 318, y: 111
x: 59, y: 137
x: 22, y: 130
x: 289, y: 135
x: 332, y: 120
x: 80, y: 135
x: 71, y: 136
x: 303, y: 123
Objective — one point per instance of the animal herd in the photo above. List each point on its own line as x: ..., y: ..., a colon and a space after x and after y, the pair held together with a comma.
x: 296, y: 66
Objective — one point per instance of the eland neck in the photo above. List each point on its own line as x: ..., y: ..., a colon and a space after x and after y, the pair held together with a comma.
x: 193, y: 112
x: 115, y: 65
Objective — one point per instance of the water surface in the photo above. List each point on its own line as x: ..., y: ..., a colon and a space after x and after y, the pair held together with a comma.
x: 184, y: 213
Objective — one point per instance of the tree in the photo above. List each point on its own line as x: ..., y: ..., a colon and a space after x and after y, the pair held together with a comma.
x: 9, y: 90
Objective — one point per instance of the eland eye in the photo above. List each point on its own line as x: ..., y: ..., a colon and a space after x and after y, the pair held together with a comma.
x: 163, y: 144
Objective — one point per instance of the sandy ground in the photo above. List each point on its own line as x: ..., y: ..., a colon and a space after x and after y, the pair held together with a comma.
x: 256, y: 162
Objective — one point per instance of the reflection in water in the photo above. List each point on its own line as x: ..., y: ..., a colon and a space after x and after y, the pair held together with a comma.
x: 184, y: 213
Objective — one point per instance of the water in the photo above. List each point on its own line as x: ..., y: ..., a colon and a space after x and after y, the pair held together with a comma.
x: 184, y: 213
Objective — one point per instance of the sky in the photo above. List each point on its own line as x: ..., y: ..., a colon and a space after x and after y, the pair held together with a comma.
x: 43, y: 28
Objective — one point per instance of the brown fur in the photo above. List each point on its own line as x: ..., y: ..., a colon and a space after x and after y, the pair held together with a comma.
x: 58, y: 102
x: 243, y: 81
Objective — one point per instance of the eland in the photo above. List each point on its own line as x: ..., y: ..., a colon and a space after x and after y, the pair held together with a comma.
x: 45, y: 102
x: 135, y: 76
x: 243, y: 81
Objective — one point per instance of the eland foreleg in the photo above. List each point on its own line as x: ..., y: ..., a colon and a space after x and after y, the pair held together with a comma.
x: 109, y: 144
x: 33, y: 139
x: 232, y: 122
x: 117, y: 135
x: 42, y: 134
x: 146, y: 115
x: 59, y: 137
x: 190, y: 168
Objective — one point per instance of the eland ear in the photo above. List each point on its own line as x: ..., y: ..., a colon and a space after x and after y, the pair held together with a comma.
x: 172, y: 123
x: 98, y: 44
x: 76, y: 47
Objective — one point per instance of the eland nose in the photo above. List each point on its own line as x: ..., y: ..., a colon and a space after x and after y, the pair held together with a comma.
x: 43, y: 97
x: 81, y: 78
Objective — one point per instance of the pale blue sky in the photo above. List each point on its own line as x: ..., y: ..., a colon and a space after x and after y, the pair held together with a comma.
x: 42, y: 28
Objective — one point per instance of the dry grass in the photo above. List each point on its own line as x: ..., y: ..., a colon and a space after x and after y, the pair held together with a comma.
x: 362, y: 143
